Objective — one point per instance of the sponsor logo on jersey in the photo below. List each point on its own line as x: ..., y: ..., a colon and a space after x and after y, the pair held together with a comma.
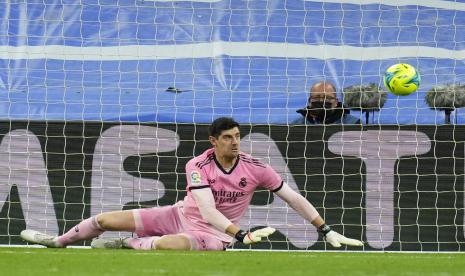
x: 223, y: 196
x: 195, y: 178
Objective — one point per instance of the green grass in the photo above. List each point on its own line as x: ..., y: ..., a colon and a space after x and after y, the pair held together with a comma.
x: 43, y: 261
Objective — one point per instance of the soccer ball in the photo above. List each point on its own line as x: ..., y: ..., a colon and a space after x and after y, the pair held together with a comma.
x: 402, y: 79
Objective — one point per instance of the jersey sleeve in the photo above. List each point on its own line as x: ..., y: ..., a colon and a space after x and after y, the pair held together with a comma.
x: 271, y: 180
x: 196, y: 177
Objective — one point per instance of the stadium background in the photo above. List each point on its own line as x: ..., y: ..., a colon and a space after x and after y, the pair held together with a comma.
x: 69, y: 70
x: 254, y: 60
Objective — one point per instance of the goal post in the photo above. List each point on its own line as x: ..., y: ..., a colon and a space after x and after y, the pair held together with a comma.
x: 102, y: 103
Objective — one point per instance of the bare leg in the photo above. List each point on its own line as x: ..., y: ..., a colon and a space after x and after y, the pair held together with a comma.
x: 173, y: 242
x: 94, y: 226
x: 117, y: 221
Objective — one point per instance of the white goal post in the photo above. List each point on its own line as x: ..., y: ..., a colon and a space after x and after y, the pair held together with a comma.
x: 102, y: 103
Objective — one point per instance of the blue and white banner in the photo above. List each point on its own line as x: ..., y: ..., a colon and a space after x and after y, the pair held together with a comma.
x: 253, y: 60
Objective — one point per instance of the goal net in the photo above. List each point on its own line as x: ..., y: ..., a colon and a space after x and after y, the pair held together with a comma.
x: 102, y: 104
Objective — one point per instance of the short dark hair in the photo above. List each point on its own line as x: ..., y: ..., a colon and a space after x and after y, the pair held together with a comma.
x: 221, y: 124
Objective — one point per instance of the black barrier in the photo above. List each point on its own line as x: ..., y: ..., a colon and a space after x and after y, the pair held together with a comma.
x: 395, y: 187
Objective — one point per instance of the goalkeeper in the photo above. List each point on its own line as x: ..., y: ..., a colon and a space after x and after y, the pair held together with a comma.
x: 220, y: 185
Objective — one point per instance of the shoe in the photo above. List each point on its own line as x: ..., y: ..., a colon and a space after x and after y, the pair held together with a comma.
x: 36, y: 237
x: 115, y: 243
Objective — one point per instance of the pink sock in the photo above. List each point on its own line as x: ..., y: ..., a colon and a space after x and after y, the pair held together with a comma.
x: 145, y: 243
x: 86, y: 229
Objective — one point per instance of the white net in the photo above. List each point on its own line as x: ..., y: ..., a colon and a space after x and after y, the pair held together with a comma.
x: 103, y: 103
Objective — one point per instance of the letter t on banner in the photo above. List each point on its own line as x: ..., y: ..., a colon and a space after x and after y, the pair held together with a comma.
x: 380, y: 151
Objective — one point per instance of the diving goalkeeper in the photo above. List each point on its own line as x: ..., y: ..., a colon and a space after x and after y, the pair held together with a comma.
x: 220, y: 185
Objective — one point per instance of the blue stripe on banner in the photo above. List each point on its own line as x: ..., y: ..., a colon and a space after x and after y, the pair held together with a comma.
x: 166, y: 23
x: 252, y: 89
x: 259, y: 90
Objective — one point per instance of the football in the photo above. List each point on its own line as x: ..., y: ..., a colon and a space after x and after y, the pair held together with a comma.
x: 402, y: 79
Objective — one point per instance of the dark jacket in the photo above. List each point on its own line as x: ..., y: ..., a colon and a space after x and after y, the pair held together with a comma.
x: 340, y: 116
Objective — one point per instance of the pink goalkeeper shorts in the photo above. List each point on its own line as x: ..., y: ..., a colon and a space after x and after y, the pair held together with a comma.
x: 159, y: 221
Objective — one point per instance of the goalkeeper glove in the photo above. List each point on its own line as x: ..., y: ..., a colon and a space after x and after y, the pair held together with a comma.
x: 255, y: 236
x: 336, y: 239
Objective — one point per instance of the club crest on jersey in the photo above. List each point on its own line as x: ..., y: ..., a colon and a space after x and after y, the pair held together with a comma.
x: 243, y: 182
x: 195, y: 178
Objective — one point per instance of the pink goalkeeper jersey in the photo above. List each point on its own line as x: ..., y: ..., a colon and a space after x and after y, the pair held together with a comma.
x: 232, y: 190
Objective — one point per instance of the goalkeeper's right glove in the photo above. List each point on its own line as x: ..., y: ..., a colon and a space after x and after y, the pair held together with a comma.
x: 255, y: 236
x: 336, y: 239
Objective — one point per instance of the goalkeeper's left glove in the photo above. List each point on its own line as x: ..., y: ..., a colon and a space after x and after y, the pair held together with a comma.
x: 255, y: 236
x: 336, y: 239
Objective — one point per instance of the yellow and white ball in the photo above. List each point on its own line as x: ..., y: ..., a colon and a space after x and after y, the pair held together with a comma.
x: 402, y: 79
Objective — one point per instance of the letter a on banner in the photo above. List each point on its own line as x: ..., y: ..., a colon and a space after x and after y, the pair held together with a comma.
x: 23, y: 165
x: 112, y: 186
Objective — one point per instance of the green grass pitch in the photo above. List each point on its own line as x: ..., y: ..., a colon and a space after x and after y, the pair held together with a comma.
x: 44, y: 261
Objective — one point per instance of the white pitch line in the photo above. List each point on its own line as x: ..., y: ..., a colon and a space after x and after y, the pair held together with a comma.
x: 63, y: 251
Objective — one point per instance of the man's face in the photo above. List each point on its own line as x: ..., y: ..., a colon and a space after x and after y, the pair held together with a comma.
x: 327, y: 95
x: 228, y: 143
